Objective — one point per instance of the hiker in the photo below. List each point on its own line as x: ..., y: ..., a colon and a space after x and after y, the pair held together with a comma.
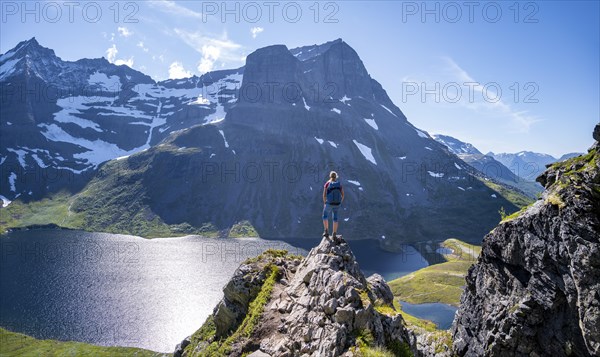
x: 333, y: 196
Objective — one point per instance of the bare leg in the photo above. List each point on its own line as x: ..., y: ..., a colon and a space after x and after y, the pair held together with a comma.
x: 326, y: 225
x: 335, y: 227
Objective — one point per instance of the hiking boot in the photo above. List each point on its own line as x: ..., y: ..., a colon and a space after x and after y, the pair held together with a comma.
x: 325, y: 234
x: 335, y: 237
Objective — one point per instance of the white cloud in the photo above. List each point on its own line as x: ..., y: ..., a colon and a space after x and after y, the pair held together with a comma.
x: 521, y: 121
x: 124, y: 31
x: 127, y: 62
x: 212, y: 49
x: 210, y: 54
x: 171, y: 7
x: 176, y: 71
x: 255, y: 31
x: 111, y: 56
x: 111, y: 53
x: 142, y: 46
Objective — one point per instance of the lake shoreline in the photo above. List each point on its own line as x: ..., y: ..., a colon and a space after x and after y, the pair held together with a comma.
x: 57, y: 283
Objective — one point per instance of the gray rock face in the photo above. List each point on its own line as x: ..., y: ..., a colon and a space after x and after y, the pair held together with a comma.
x: 329, y: 302
x: 320, y: 306
x: 535, y: 288
x: 381, y: 289
x: 239, y: 291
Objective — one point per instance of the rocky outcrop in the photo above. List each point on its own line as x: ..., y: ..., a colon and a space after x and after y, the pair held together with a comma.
x: 321, y: 306
x: 328, y: 304
x: 535, y: 288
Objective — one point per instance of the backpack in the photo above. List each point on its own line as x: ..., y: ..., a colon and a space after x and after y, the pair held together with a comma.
x: 334, y: 193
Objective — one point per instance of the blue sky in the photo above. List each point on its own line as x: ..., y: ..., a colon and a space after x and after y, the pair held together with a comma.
x: 505, y: 76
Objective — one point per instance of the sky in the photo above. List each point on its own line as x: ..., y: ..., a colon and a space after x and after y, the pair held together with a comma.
x: 504, y: 76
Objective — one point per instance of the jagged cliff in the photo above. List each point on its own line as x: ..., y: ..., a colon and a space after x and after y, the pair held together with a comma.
x: 322, y: 305
x: 535, y: 290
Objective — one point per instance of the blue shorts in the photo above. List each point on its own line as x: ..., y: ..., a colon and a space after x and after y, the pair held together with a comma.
x: 334, y: 210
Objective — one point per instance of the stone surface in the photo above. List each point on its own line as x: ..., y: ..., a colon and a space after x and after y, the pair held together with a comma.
x: 332, y: 302
x: 381, y: 289
x: 535, y: 288
x: 319, y: 311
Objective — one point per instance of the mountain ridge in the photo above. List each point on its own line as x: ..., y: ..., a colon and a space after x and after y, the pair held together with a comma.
x: 189, y: 149
x: 488, y: 166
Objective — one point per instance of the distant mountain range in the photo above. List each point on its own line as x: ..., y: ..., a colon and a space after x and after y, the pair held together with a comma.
x: 529, y: 165
x: 248, y: 147
x: 489, y: 166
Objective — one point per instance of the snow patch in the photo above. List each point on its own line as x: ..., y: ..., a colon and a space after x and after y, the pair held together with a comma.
x: 402, y: 157
x: 332, y: 144
x: 354, y: 182
x: 457, y: 166
x: 71, y: 107
x: 8, y: 67
x: 422, y: 134
x: 20, y: 156
x: 11, y: 180
x: 200, y: 101
x: 494, y: 195
x: 217, y: 116
x: 320, y: 141
x: 428, y: 148
x: 336, y: 110
x: 305, y: 105
x: 224, y: 140
x: 111, y: 84
x: 98, y: 151
x: 365, y: 151
x: 372, y: 123
x: 388, y: 109
x: 460, y: 188
x: 345, y: 99
x: 39, y: 161
x: 346, y: 219
x: 5, y: 201
x: 435, y: 174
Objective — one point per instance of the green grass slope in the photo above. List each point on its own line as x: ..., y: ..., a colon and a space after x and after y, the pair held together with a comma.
x: 17, y: 344
x: 439, y: 282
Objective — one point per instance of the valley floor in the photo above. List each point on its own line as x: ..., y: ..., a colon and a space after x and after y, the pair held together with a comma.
x: 442, y: 282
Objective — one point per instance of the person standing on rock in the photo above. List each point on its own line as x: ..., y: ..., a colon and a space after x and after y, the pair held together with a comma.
x: 333, y: 196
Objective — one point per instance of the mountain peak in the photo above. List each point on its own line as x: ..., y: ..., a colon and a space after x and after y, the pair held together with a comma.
x: 29, y: 47
x: 307, y: 52
x: 32, y: 41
